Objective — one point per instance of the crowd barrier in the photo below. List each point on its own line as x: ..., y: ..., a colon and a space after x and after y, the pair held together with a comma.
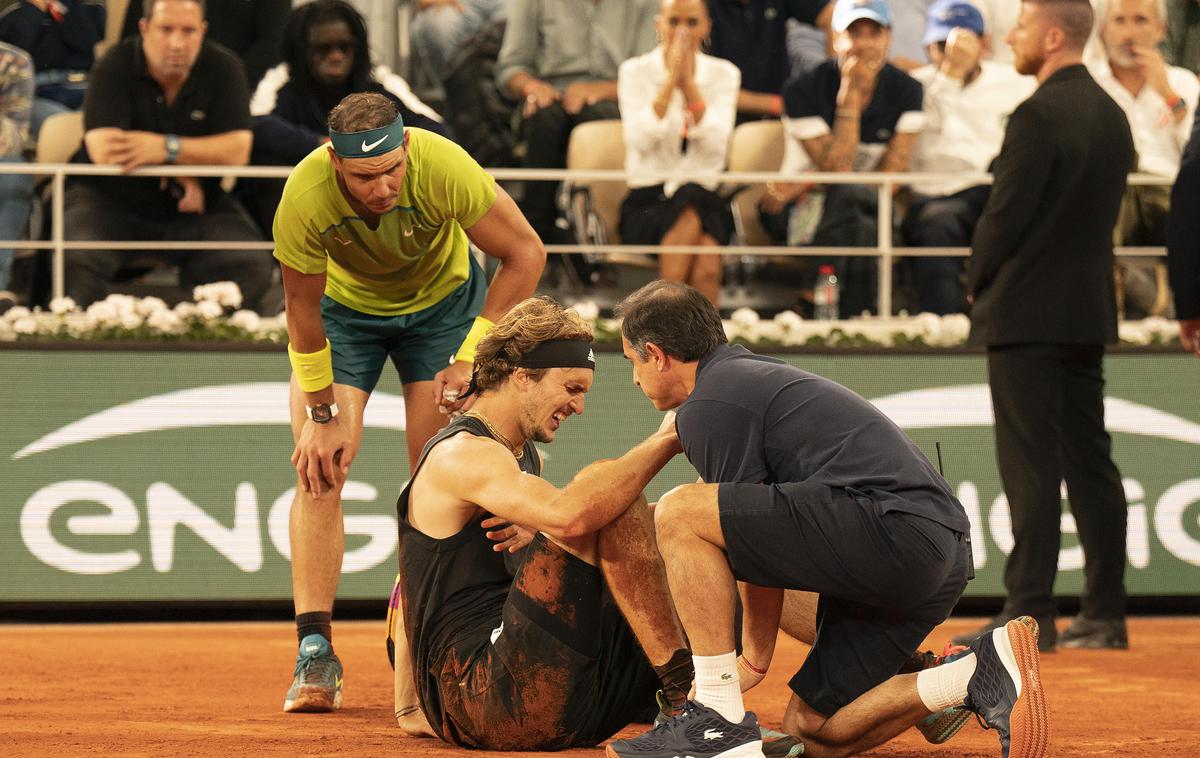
x: 886, y: 249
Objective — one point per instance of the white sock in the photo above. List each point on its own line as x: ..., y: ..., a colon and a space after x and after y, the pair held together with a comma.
x: 945, y: 686
x: 718, y: 685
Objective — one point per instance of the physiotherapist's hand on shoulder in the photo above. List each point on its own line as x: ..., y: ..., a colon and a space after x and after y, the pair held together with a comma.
x: 323, y: 456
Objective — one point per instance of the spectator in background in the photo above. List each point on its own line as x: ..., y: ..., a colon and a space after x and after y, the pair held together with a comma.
x: 252, y: 29
x: 560, y: 59
x: 1183, y: 244
x: 16, y: 190
x: 1181, y: 46
x: 907, y: 51
x: 856, y: 112
x: 441, y: 26
x: 325, y: 58
x: 678, y: 106
x: 60, y: 36
x: 753, y: 35
x: 967, y: 102
x: 166, y: 96
x: 1040, y: 274
x: 1159, y: 101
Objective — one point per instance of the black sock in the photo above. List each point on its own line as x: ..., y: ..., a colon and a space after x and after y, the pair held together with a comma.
x: 676, y: 676
x: 317, y: 622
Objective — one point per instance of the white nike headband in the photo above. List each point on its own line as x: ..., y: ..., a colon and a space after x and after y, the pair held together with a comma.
x: 369, y: 142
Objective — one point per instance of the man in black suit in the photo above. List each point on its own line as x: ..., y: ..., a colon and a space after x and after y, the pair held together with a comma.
x: 1041, y: 280
x: 1183, y: 243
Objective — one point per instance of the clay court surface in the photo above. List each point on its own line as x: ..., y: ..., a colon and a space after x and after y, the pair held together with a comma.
x: 217, y: 689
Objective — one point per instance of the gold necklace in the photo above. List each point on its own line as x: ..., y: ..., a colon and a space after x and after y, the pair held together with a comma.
x: 518, y: 452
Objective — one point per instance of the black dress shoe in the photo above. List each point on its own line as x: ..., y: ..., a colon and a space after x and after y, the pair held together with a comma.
x: 1096, y: 634
x: 1047, y: 634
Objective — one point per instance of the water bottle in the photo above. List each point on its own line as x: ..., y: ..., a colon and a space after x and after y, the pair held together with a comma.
x: 825, y: 294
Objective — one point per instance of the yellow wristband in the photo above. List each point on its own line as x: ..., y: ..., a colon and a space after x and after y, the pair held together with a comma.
x: 314, y: 371
x: 479, y: 330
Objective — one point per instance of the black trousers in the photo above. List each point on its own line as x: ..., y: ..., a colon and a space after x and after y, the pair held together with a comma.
x: 546, y: 134
x: 93, y: 215
x: 1049, y: 407
x: 946, y: 221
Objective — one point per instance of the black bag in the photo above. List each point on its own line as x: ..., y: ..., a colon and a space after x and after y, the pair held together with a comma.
x: 479, y: 114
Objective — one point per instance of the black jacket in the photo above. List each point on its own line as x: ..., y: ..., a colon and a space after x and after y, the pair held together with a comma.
x: 1183, y: 232
x: 1041, y: 265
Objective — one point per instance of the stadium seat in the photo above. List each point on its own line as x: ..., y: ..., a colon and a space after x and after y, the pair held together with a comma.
x: 755, y: 146
x: 593, y: 208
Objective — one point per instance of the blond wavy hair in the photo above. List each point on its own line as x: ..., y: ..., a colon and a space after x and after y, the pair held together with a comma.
x: 529, y: 323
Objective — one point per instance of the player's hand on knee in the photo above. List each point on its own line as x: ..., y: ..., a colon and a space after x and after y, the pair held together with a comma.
x: 322, y: 457
x: 749, y: 674
x: 507, y: 536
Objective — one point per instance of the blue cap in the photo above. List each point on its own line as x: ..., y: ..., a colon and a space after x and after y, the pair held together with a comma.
x: 945, y: 15
x: 846, y: 12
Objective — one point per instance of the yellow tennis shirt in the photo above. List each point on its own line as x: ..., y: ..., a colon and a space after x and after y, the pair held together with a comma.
x: 419, y: 252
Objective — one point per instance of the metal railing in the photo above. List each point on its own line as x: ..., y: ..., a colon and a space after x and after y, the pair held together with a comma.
x: 886, y: 249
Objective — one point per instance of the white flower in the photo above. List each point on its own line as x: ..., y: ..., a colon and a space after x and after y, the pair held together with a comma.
x: 789, y: 321
x: 62, y: 305
x: 130, y: 321
x: 104, y: 313
x: 768, y: 330
x: 224, y: 294
x: 587, y: 310
x: 15, y: 313
x: 166, y: 322
x: 185, y: 311
x: 209, y: 310
x: 745, y: 319
x: 150, y: 305
x: 955, y: 329
x: 25, y: 325
x: 122, y: 303
x: 1134, y: 332
x: 929, y: 327
x: 247, y: 320
x: 6, y: 332
x: 81, y: 325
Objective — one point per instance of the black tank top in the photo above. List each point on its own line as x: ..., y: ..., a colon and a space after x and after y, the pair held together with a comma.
x: 453, y: 589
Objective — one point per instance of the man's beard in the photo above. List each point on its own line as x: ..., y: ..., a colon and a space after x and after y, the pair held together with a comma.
x: 1121, y: 55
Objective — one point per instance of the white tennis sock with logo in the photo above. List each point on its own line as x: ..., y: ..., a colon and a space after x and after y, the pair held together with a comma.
x: 718, y: 685
x: 945, y: 686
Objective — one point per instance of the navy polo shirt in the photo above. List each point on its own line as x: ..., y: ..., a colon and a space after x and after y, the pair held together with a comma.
x: 753, y: 35
x: 810, y: 102
x: 121, y: 93
x: 759, y: 420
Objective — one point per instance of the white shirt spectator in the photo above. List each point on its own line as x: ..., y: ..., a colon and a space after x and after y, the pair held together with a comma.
x: 965, y: 124
x: 1159, y: 140
x: 654, y: 146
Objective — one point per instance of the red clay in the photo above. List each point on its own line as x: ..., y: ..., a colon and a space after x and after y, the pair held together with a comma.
x: 217, y: 689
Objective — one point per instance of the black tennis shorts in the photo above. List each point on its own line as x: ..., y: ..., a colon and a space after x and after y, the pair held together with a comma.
x: 564, y: 669
x: 885, y: 579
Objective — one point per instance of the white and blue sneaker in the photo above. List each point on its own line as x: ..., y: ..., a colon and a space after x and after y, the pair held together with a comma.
x: 699, y: 732
x: 1006, y: 689
x: 317, y: 680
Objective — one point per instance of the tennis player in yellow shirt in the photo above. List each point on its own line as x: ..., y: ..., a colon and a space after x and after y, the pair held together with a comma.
x: 374, y: 236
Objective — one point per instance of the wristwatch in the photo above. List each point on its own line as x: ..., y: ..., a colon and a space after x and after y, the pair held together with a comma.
x: 322, y: 413
x: 172, y: 148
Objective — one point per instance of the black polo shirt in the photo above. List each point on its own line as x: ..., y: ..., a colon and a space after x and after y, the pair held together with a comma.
x: 810, y: 104
x: 121, y: 94
x: 753, y: 34
x: 755, y: 419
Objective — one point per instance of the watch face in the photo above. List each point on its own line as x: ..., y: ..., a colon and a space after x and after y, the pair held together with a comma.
x: 321, y: 413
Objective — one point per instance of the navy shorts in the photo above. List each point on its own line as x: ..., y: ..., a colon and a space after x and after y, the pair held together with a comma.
x: 420, y: 344
x: 885, y: 579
